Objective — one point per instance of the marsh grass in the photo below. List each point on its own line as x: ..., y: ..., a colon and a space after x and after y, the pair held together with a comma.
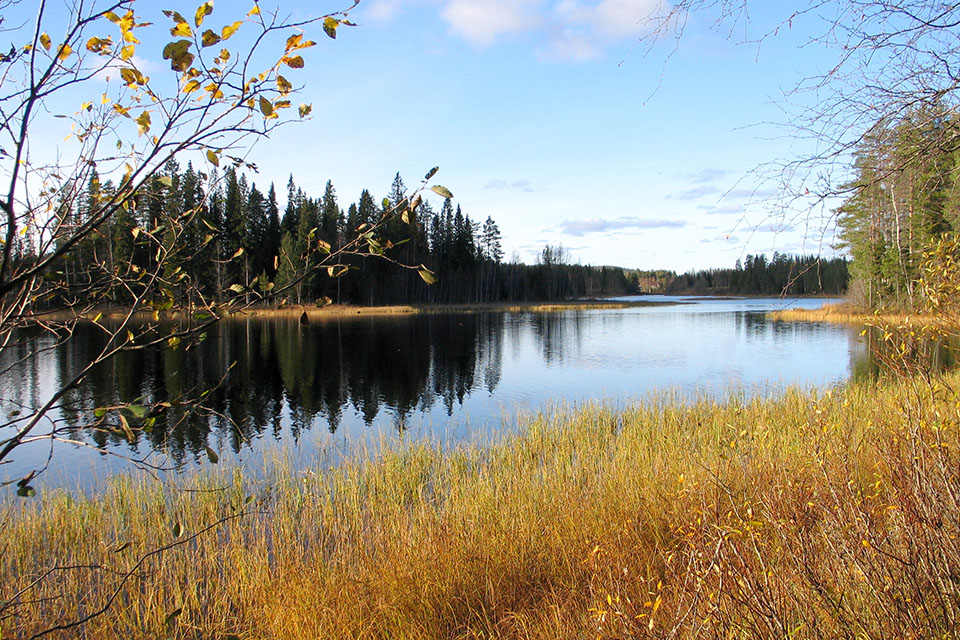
x: 857, y: 316
x: 831, y: 515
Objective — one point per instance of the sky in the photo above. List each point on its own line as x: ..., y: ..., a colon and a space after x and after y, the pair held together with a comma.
x: 556, y: 120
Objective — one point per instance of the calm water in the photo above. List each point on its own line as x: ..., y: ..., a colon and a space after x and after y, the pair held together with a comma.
x: 330, y: 385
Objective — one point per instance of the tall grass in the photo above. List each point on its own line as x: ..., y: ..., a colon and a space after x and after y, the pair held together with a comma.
x: 830, y: 515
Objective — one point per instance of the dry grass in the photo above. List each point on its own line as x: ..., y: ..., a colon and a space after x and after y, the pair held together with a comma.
x: 849, y: 314
x: 805, y: 516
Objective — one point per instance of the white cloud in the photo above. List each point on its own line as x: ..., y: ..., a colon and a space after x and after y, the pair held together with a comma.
x: 566, y: 29
x: 600, y: 225
x: 382, y: 10
x: 612, y: 19
x: 481, y: 22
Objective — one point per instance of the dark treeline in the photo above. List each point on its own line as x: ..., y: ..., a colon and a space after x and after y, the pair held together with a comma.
x: 239, y: 237
x: 782, y: 275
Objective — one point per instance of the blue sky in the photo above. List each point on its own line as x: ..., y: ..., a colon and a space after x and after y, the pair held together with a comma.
x: 551, y: 117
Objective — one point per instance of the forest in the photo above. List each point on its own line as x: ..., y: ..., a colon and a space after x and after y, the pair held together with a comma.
x: 238, y: 239
x: 903, y: 199
x: 756, y: 275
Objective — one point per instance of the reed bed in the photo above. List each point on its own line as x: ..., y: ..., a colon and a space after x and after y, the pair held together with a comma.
x: 857, y: 316
x: 830, y: 515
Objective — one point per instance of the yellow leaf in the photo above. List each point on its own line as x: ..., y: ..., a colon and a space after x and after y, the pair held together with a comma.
x: 143, y: 123
x: 283, y: 85
x: 112, y: 17
x: 191, y: 86
x: 86, y: 106
x: 127, y: 52
x: 213, y: 158
x: 181, y: 29
x: 228, y: 31
x: 224, y: 55
x: 202, y: 12
x: 255, y: 11
x: 131, y: 76
x: 64, y: 53
x: 293, y: 41
x: 305, y: 110
x: 296, y: 62
x: 45, y: 41
x: 129, y: 37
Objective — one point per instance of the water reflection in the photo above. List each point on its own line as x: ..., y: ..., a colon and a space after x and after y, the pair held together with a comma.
x: 268, y: 380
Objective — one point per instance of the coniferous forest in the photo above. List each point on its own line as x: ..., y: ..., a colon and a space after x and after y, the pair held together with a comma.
x: 902, y: 200
x: 239, y: 236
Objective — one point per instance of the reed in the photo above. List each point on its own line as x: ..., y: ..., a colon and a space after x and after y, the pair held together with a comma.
x: 857, y: 316
x: 808, y: 515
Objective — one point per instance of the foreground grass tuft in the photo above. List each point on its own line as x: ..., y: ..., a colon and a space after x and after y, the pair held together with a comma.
x: 805, y: 516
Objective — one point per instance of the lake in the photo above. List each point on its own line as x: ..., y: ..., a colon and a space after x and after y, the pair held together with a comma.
x: 273, y: 385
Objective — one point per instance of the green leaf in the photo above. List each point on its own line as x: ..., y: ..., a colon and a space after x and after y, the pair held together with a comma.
x: 172, y: 616
x: 26, y: 491
x: 166, y: 181
x: 441, y: 191
x: 305, y: 110
x: 178, y: 53
x: 209, y: 38
x: 237, y: 288
x: 266, y: 107
x: 137, y: 410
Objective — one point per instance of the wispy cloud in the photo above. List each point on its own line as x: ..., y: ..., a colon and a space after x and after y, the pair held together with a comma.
x: 730, y: 207
x: 724, y: 238
x: 705, y: 175
x: 599, y: 225
x: 695, y: 193
x: 752, y: 194
x: 559, y: 30
x: 517, y: 185
x: 774, y: 227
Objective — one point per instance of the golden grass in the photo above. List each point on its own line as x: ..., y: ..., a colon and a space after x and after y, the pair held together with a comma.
x: 853, y: 315
x: 343, y: 310
x: 804, y: 516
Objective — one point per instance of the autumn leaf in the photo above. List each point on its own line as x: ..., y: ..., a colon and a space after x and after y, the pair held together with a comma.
x: 228, y: 31
x: 210, y: 38
x: 330, y: 26
x: 202, y: 12
x: 143, y: 123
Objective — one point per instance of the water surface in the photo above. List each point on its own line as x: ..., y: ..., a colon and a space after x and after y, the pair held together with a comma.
x: 330, y: 385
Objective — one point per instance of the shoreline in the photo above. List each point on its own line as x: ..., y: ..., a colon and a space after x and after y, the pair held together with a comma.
x: 346, y: 311
x: 857, y: 316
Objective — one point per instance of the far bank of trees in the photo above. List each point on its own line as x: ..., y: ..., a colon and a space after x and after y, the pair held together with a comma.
x: 756, y: 275
x: 239, y: 239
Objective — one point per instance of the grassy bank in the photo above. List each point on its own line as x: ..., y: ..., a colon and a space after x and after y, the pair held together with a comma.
x: 858, y: 316
x: 803, y: 516
x: 344, y: 310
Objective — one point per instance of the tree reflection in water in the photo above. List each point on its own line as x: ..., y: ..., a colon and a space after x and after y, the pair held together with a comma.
x: 251, y: 371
